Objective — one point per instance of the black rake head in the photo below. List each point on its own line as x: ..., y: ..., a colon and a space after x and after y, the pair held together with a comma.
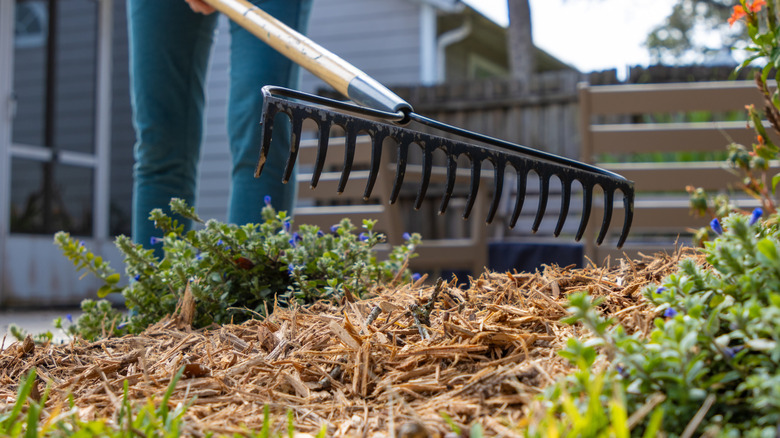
x: 355, y: 120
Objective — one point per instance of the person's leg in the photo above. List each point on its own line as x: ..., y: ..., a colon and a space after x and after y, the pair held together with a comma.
x: 169, y: 54
x: 254, y: 64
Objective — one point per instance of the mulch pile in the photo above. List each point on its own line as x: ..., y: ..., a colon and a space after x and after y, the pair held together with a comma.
x: 393, y: 362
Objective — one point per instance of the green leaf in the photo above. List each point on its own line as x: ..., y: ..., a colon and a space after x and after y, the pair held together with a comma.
x: 767, y: 248
x: 762, y: 344
x: 104, y: 290
x: 113, y: 278
x: 775, y: 180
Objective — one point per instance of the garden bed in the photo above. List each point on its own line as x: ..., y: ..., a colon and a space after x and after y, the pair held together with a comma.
x: 361, y: 368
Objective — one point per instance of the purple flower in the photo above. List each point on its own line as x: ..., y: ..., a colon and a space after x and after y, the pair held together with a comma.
x: 407, y: 236
x: 757, y: 213
x: 416, y: 276
x: 363, y: 237
x: 670, y: 313
x: 715, y: 225
x: 267, y: 200
x: 155, y: 240
x: 661, y: 290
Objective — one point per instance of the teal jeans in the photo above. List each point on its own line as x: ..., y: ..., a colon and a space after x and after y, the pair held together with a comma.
x: 169, y: 56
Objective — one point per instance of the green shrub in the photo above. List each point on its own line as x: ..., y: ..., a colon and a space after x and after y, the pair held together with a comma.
x: 714, y: 352
x: 232, y: 271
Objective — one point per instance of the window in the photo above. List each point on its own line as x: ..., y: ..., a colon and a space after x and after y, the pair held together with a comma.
x: 31, y: 24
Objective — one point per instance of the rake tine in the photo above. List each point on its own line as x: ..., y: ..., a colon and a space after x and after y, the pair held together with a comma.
x: 295, y: 143
x: 609, y: 196
x: 522, y: 176
x: 543, y: 195
x: 452, y: 170
x: 376, y: 161
x: 628, y: 207
x: 400, y: 171
x: 268, y: 129
x: 498, y: 175
x: 587, y: 203
x: 322, y: 152
x: 349, y: 157
x: 427, y: 166
x: 476, y: 170
x: 565, y: 200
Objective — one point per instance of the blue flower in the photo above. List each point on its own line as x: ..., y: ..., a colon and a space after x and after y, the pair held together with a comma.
x: 122, y: 325
x: 155, y: 240
x: 757, y: 213
x: 416, y: 276
x: 334, y: 228
x: 137, y: 277
x: 670, y: 313
x: 363, y: 237
x: 220, y: 242
x: 198, y: 256
x: 407, y: 236
x: 661, y: 290
x: 732, y: 351
x: 69, y: 317
x: 715, y: 225
x: 287, y: 225
x: 267, y: 200
x: 320, y: 233
x: 292, y: 242
x: 290, y: 269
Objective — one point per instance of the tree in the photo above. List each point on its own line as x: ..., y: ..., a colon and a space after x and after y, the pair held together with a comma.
x: 694, y: 32
x: 520, y: 41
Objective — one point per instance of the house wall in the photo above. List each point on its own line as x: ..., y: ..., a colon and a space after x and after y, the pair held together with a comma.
x: 380, y: 37
x: 122, y: 133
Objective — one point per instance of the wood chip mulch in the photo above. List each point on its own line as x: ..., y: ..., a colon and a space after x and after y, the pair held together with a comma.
x: 362, y: 368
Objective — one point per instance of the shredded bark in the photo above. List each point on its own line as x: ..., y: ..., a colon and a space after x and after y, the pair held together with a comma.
x: 390, y: 363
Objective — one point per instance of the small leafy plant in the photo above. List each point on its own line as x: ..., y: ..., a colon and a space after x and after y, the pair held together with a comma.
x: 232, y: 272
x: 30, y: 417
x: 711, y: 363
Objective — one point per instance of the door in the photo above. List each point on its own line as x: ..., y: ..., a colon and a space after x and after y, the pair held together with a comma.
x: 54, y: 142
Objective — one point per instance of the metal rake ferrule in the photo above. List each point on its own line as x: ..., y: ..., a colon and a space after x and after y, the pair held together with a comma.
x: 326, y: 113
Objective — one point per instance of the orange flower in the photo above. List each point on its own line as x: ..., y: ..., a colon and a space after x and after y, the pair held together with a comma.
x: 738, y: 13
x: 756, y: 6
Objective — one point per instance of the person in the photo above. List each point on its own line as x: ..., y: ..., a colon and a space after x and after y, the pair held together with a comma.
x: 170, y: 45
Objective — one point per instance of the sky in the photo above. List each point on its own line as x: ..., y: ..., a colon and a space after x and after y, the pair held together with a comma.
x: 591, y: 35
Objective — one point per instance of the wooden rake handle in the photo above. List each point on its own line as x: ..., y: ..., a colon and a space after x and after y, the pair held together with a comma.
x: 339, y: 74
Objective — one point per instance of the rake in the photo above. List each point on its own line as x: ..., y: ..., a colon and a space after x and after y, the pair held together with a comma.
x: 381, y: 114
